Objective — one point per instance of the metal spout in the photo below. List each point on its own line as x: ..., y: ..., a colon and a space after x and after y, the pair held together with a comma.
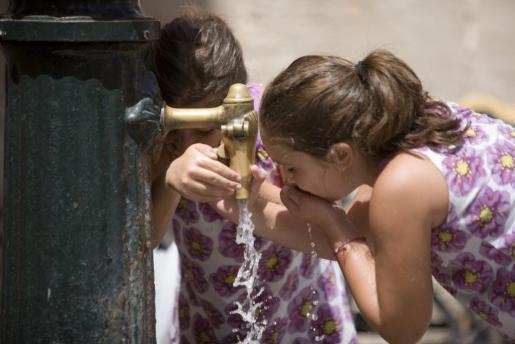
x: 238, y: 122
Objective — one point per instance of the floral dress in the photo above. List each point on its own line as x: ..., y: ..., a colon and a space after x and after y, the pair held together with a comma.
x: 473, y: 252
x: 304, y: 297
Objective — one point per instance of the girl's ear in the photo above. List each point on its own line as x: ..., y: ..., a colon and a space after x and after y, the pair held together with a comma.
x: 340, y: 154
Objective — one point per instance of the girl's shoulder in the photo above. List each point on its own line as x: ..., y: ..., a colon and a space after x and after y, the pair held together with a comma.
x: 415, y: 187
x: 406, y: 169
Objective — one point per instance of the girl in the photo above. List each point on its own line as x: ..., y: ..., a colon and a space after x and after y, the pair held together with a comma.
x: 438, y: 196
x: 196, y: 59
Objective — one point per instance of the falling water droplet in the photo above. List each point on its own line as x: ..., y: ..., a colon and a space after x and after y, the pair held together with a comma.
x: 248, y: 309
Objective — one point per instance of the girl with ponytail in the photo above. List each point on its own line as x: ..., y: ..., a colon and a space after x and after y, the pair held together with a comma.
x: 435, y: 188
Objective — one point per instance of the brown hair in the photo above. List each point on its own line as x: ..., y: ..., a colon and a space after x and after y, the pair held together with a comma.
x: 377, y: 105
x: 196, y: 59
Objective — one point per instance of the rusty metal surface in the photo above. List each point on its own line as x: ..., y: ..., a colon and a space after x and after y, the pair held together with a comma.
x: 77, y: 254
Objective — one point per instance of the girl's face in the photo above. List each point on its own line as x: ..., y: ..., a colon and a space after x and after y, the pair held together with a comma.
x: 179, y: 140
x: 309, y: 173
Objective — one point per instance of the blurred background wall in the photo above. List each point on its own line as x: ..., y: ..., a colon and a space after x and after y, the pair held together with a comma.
x: 458, y: 48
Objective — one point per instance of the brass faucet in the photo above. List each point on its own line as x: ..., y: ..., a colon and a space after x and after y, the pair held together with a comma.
x: 237, y: 120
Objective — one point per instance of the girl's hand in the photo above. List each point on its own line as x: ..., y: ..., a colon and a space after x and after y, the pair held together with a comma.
x: 198, y: 175
x: 318, y: 212
x: 228, y: 206
x: 306, y: 206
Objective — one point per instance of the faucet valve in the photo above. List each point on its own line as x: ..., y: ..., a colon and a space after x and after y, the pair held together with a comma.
x: 237, y: 120
x: 238, y: 128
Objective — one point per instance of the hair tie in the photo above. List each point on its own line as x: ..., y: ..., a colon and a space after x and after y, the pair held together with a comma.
x: 362, y: 75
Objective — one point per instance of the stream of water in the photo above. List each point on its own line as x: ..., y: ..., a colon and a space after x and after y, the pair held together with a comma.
x: 247, y: 275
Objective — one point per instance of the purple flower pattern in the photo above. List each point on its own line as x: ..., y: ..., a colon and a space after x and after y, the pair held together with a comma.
x: 301, y: 308
x: 473, y: 252
x: 488, y: 212
x: 509, y: 242
x: 269, y: 305
x: 442, y: 277
x: 184, y: 313
x: 508, y: 132
x: 235, y: 320
x: 502, y: 159
x: 194, y: 275
x: 199, y: 245
x: 327, y: 282
x: 490, y: 252
x: 463, y: 171
x: 470, y: 273
x: 275, y: 260
x: 227, y: 242
x: 224, y: 278
x: 214, y: 316
x: 190, y: 293
x: 290, y: 285
x: 326, y: 327
x: 474, y: 134
x: 208, y: 213
x: 485, y: 312
x: 446, y: 238
x: 187, y: 211
x: 502, y: 293
x: 203, y: 332
x: 275, y: 332
x: 309, y: 262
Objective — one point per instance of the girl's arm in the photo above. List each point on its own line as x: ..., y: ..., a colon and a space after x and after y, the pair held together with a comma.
x: 390, y: 278
x: 389, y: 274
x: 196, y: 175
x: 273, y: 221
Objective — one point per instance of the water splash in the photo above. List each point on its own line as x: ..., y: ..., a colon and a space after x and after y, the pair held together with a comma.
x: 313, y: 316
x: 311, y: 241
x: 249, y: 308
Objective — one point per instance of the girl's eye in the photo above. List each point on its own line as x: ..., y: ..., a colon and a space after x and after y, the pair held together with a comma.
x: 290, y: 169
x: 203, y: 131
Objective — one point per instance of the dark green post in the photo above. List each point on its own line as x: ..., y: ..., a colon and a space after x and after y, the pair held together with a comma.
x: 77, y: 253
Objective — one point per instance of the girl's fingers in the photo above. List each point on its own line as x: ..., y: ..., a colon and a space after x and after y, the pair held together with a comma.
x: 215, y: 190
x: 287, y: 199
x: 206, y: 150
x: 215, y: 180
x: 257, y: 173
x: 259, y: 177
x: 220, y: 169
x: 206, y: 193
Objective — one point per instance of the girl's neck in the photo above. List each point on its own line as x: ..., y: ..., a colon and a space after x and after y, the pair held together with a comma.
x: 367, y: 170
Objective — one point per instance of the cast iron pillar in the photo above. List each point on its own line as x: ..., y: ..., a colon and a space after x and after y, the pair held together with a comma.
x: 78, y: 258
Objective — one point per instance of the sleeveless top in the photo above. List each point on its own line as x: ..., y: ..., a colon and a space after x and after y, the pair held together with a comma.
x: 473, y: 252
x: 304, y: 297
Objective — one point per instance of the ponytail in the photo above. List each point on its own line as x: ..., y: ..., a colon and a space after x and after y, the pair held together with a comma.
x: 399, y: 114
x: 378, y: 105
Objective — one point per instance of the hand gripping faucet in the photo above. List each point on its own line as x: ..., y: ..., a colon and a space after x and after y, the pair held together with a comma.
x: 239, y: 124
